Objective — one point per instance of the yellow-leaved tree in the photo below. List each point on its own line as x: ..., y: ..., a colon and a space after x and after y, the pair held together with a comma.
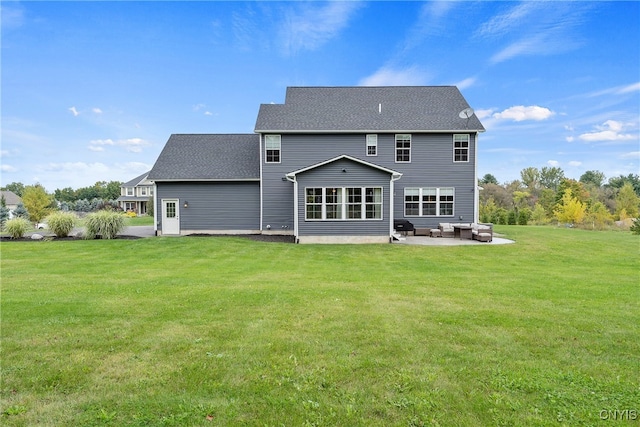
x: 570, y: 210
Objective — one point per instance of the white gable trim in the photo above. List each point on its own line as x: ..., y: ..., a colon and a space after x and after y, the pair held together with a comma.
x: 395, y: 174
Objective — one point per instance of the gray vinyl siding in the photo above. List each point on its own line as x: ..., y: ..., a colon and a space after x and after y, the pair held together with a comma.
x: 331, y: 175
x: 431, y: 165
x: 213, y: 205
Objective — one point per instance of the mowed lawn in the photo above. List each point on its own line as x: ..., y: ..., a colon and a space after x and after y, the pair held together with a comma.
x: 224, y: 331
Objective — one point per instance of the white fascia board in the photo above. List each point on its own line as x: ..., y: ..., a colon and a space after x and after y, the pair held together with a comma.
x: 206, y: 180
x: 345, y: 156
x: 334, y: 131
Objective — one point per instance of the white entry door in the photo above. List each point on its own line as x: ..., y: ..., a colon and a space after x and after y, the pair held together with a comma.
x: 170, y: 216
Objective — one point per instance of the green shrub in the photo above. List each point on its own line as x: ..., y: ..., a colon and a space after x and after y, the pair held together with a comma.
x: 635, y: 227
x: 106, y: 224
x: 61, y: 223
x: 17, y: 227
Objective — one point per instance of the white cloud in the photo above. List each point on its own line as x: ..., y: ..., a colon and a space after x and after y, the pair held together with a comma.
x: 608, y: 131
x: 484, y: 113
x: 553, y: 163
x: 520, y: 113
x: 392, y: 77
x: 96, y: 110
x: 74, y: 111
x: 570, y: 139
x: 208, y: 113
x: 575, y: 163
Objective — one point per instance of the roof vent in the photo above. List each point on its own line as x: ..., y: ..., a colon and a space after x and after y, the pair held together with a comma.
x: 379, y: 108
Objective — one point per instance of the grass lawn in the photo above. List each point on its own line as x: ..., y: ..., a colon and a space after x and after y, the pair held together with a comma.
x: 227, y: 331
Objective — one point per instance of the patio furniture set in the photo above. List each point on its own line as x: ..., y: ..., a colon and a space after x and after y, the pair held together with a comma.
x: 482, y: 232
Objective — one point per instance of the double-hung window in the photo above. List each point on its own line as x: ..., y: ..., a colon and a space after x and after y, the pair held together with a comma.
x: 460, y: 147
x: 272, y: 148
x: 429, y: 201
x: 130, y: 191
x: 403, y: 148
x: 372, y: 145
x: 343, y: 203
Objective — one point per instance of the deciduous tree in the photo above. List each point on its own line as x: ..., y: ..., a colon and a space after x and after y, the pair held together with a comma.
x: 628, y: 201
x: 570, y: 210
x: 37, y: 202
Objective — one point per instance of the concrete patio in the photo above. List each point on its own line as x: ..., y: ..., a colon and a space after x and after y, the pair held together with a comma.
x: 448, y: 241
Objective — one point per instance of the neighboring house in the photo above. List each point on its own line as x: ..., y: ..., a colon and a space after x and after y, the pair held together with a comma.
x: 12, y: 200
x: 331, y: 164
x: 135, y: 194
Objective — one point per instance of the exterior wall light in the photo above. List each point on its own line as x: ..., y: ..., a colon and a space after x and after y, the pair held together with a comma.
x: 186, y: 204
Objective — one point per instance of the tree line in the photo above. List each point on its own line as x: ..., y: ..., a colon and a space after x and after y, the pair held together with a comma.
x: 544, y: 196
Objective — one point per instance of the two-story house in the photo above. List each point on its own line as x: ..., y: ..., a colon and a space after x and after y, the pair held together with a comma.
x: 331, y: 164
x: 135, y: 194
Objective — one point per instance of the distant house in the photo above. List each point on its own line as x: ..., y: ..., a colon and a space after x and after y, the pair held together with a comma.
x: 331, y: 164
x: 12, y: 200
x: 135, y: 194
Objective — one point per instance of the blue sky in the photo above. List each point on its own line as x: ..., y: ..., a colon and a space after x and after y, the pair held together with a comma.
x: 91, y: 91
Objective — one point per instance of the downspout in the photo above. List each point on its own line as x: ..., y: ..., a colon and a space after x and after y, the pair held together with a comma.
x: 476, y: 192
x: 261, y: 181
x: 155, y: 208
x: 394, y: 178
x: 295, y: 204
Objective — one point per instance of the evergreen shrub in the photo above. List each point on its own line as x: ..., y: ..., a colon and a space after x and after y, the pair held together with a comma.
x: 106, y: 224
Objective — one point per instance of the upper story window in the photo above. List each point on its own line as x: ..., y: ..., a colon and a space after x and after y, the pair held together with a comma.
x: 460, y: 147
x: 143, y: 191
x: 403, y: 148
x: 372, y: 145
x: 272, y: 148
x: 129, y: 191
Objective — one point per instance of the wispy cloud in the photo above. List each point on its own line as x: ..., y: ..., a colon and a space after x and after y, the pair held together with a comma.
x: 617, y: 90
x: 396, y: 77
x: 631, y: 155
x: 74, y: 111
x: 12, y: 15
x: 538, y: 27
x: 307, y: 26
x: 132, y: 145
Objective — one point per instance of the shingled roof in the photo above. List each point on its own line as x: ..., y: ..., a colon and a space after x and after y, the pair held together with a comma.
x: 208, y: 157
x: 363, y: 108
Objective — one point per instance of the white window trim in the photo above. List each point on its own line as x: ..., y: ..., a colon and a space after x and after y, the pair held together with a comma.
x: 395, y: 141
x: 468, y: 141
x: 343, y: 205
x: 130, y: 191
x: 279, y: 138
x: 372, y: 141
x: 420, y: 202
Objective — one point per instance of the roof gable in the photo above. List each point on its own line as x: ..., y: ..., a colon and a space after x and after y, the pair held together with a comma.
x: 138, y: 180
x: 11, y: 198
x: 364, y: 108
x: 395, y: 174
x: 208, y: 157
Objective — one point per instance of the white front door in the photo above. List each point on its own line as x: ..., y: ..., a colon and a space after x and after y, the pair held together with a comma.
x: 170, y: 216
